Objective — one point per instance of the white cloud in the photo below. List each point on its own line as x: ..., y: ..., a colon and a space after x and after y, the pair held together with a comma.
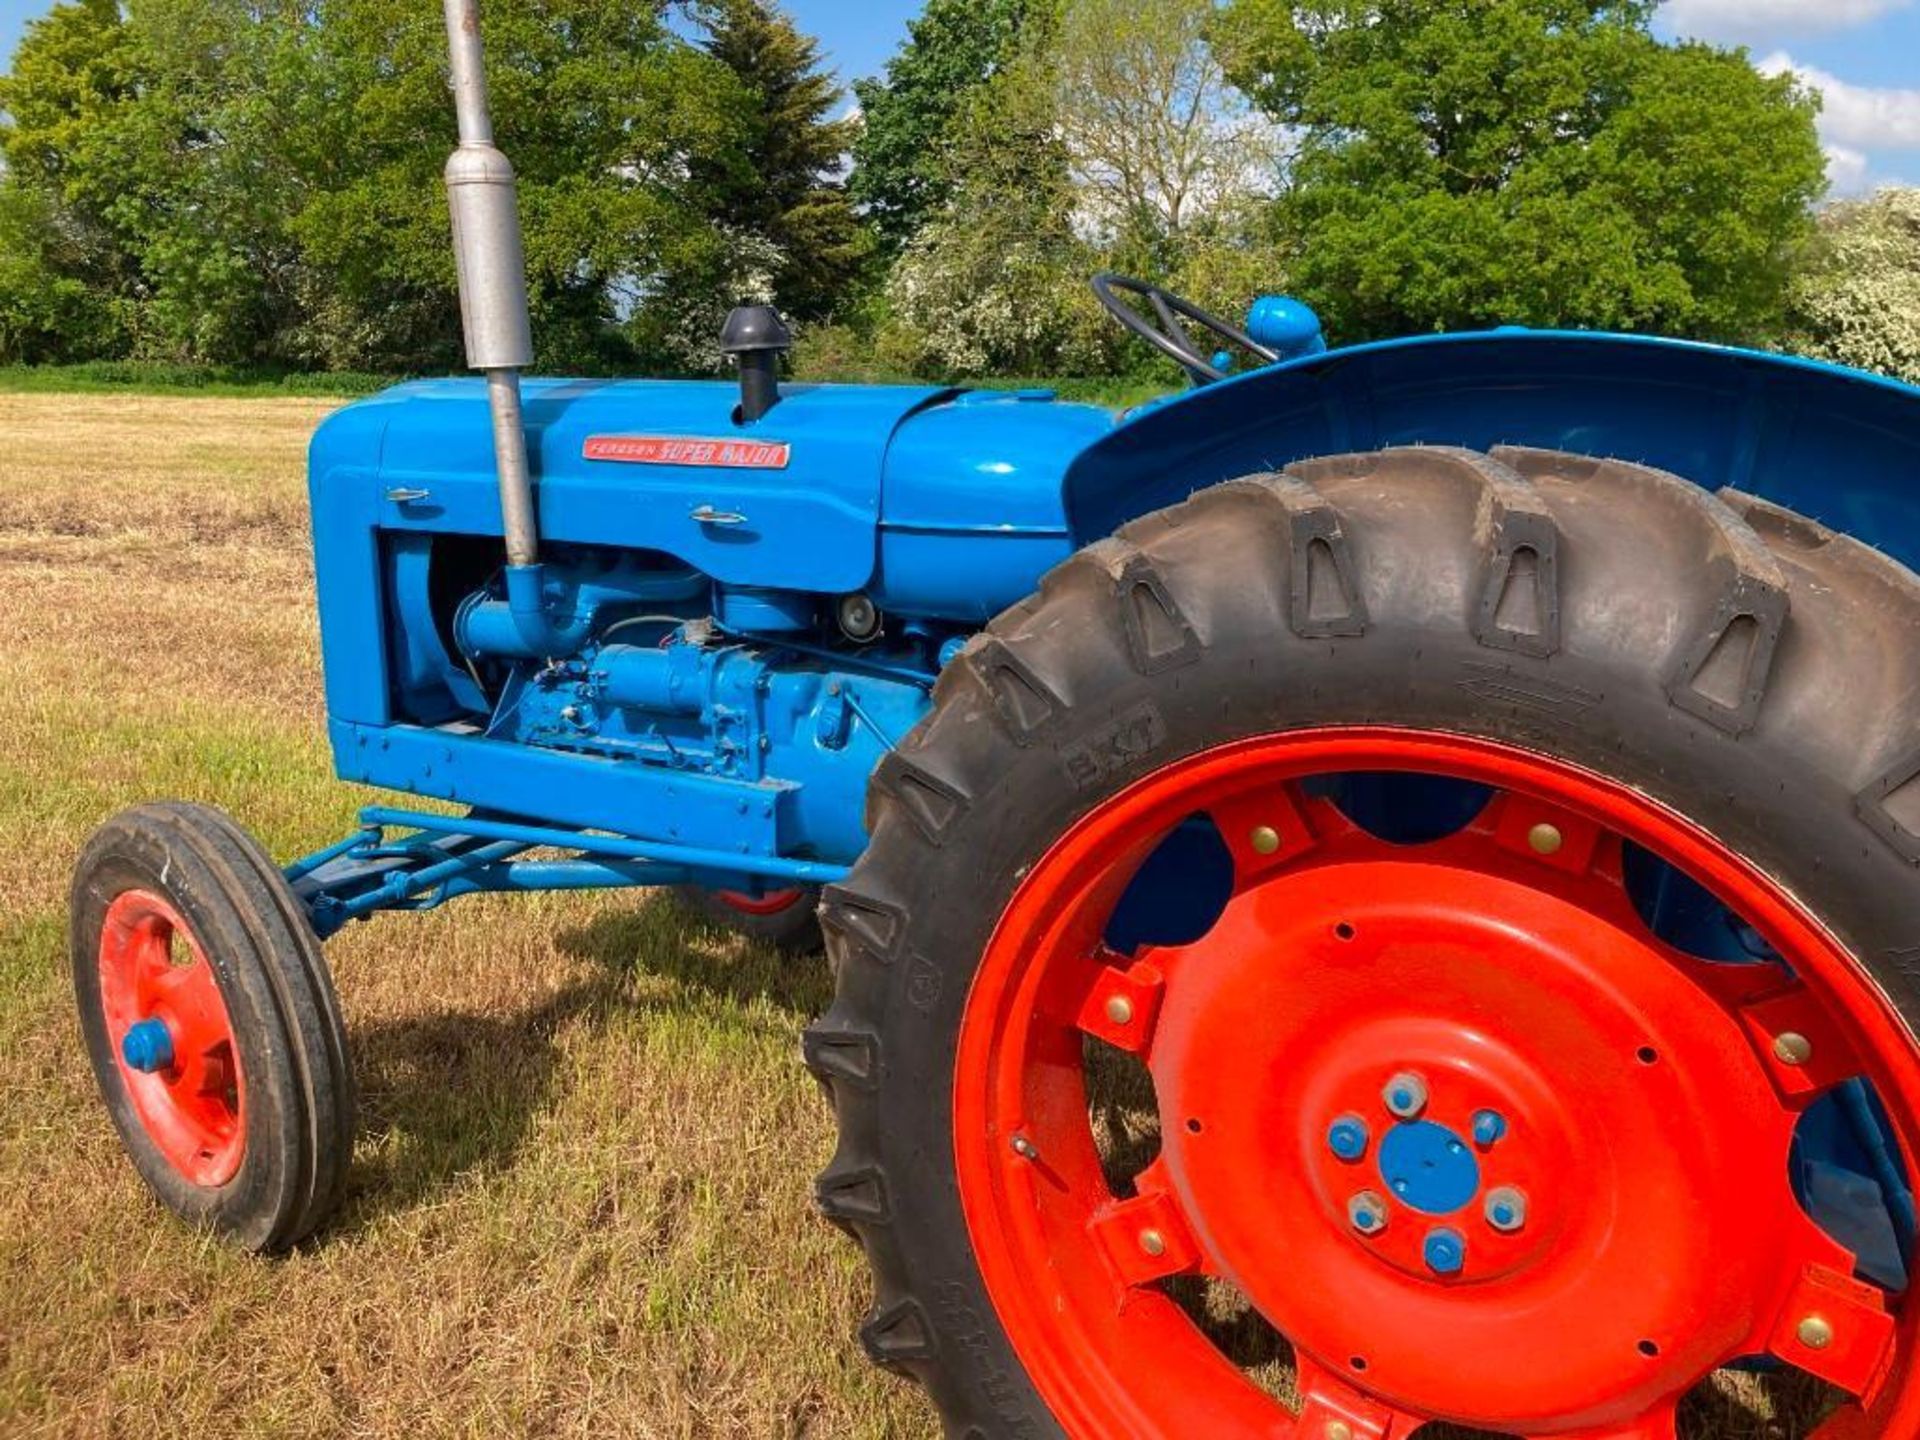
x: 1762, y: 21
x: 1858, y: 116
x: 1848, y: 172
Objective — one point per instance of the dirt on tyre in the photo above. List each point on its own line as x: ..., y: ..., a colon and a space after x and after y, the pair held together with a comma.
x: 1424, y: 1122
x: 211, y: 1024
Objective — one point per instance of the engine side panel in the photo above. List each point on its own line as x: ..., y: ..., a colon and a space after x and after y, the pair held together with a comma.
x: 1837, y: 445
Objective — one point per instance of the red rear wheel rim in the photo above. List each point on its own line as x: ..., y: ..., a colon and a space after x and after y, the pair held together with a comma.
x: 153, y: 971
x: 776, y: 903
x: 1645, y: 1102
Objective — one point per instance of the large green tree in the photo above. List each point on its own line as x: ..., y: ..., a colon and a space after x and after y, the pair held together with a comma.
x: 905, y: 167
x: 259, y: 180
x: 783, y: 184
x: 1546, y: 162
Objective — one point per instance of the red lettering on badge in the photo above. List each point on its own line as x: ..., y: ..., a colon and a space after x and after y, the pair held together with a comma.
x: 688, y: 450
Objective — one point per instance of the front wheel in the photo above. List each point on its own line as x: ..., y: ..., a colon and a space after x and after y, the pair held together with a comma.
x: 1426, y: 937
x: 212, y: 1026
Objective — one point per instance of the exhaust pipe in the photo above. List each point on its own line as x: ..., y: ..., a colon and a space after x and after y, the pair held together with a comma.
x: 493, y: 293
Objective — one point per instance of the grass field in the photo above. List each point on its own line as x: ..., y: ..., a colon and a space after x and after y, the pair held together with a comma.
x: 580, y: 1202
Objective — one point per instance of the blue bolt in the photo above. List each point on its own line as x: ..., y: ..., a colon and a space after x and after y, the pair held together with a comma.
x: 1489, y: 1127
x: 1347, y: 1137
x: 1445, y: 1252
x: 148, y: 1046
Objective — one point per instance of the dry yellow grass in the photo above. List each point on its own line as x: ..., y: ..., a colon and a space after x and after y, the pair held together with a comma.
x: 580, y: 1202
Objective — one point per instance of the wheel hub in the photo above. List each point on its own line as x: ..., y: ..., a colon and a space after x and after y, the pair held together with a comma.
x: 1573, y: 1043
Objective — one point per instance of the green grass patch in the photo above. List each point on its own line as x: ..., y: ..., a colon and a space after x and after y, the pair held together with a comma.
x: 137, y: 377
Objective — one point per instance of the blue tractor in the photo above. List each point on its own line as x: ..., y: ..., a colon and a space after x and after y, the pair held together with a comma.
x: 1379, y: 890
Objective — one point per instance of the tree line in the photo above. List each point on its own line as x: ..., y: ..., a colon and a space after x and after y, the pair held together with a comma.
x: 256, y: 182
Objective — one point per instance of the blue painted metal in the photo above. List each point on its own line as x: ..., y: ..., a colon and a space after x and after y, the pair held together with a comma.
x: 448, y: 856
x: 1348, y: 1137
x: 1445, y: 1251
x: 1286, y: 326
x: 1840, y: 446
x: 147, y: 1046
x: 1489, y: 1128
x: 1426, y: 1165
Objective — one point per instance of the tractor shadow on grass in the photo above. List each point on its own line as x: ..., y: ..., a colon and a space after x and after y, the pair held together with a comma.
x: 448, y: 1094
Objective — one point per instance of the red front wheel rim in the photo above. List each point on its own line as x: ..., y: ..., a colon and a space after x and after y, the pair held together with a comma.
x: 1453, y: 1119
x: 172, y: 1038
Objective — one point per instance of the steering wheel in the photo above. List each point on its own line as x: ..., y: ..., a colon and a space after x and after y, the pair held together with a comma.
x: 1165, y: 332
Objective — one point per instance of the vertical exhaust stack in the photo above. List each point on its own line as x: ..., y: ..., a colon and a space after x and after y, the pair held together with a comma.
x: 493, y: 295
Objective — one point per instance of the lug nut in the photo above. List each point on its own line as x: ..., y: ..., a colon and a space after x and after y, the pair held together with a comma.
x: 1815, y: 1333
x: 1489, y: 1128
x: 1792, y: 1048
x: 1445, y: 1252
x: 1406, y: 1095
x: 1546, y: 839
x: 1367, y: 1212
x: 1120, y: 1010
x: 1507, y: 1210
x: 1347, y: 1137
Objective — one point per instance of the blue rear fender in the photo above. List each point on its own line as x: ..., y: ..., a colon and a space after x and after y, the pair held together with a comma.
x: 1838, y: 446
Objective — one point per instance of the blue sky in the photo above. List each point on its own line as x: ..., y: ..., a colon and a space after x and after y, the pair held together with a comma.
x: 1864, y: 55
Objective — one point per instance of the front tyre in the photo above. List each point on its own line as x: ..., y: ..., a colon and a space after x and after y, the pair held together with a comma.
x: 212, y: 1025
x: 1560, y: 822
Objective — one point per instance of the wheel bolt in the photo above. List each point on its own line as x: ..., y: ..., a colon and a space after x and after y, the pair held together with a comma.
x: 1368, y: 1213
x: 1120, y: 1010
x: 1792, y: 1048
x: 1546, y: 839
x: 1024, y: 1148
x: 148, y: 1046
x: 1338, y: 1430
x: 1406, y: 1095
x: 1507, y: 1210
x: 1815, y: 1333
x: 1445, y: 1252
x: 1153, y: 1243
x: 1489, y: 1127
x: 1347, y: 1137
x: 1265, y: 840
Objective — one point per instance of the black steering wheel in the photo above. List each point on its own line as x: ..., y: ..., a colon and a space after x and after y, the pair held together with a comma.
x: 1165, y: 332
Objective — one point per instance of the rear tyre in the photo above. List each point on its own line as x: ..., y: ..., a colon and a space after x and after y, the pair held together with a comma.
x: 786, y: 920
x: 1627, y: 665
x: 212, y: 1025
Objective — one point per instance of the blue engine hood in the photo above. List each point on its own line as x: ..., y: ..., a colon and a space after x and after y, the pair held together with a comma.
x: 814, y: 518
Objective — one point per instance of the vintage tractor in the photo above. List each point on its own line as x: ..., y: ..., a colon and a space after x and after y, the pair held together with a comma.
x: 1379, y: 890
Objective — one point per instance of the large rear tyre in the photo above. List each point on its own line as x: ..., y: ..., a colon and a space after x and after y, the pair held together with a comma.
x: 1457, y: 1124
x: 212, y: 1025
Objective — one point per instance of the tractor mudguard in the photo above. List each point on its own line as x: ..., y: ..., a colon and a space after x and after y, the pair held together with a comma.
x: 1838, y: 446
